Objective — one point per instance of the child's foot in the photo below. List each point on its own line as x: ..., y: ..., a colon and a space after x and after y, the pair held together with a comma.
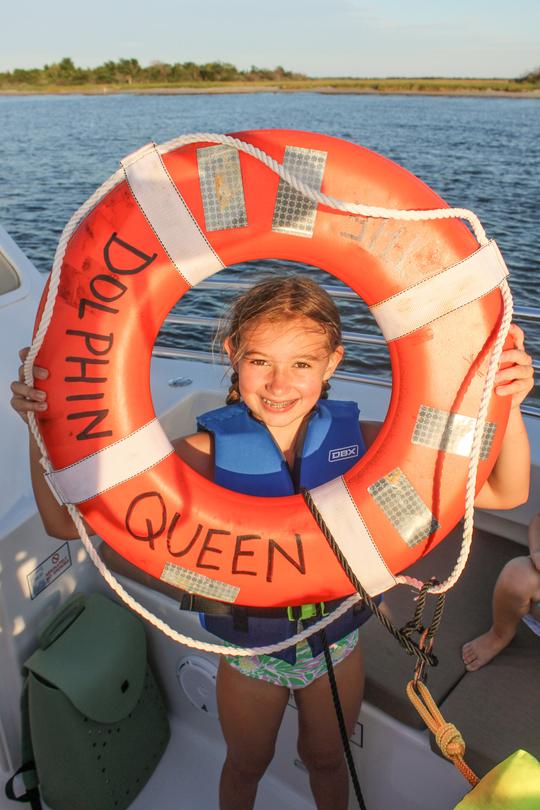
x: 481, y: 650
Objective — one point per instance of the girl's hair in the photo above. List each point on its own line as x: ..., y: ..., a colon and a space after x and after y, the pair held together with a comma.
x: 278, y: 299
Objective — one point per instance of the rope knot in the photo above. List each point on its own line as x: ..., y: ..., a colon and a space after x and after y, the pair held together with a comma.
x: 450, y: 741
x: 447, y: 736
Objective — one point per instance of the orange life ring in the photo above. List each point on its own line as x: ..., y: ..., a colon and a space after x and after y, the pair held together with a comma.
x: 218, y: 207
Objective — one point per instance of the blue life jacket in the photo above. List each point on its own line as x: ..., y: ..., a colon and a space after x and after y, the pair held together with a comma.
x: 248, y: 460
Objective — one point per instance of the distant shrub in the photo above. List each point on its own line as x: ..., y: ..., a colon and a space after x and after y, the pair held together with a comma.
x: 533, y: 77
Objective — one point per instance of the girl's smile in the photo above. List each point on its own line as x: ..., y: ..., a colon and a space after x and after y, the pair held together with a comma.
x: 277, y: 406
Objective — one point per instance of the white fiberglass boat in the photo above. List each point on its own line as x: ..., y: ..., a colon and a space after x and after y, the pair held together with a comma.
x: 496, y: 708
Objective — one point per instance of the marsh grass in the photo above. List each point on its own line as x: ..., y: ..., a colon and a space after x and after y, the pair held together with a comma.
x: 458, y: 86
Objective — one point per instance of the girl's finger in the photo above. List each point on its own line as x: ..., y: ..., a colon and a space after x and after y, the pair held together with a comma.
x: 515, y: 387
x: 519, y: 355
x: 39, y: 373
x: 514, y: 372
x: 516, y: 356
x: 22, y: 403
x: 23, y: 406
x: 24, y: 391
x: 518, y: 335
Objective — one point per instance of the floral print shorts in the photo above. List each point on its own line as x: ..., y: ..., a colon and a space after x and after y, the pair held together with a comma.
x: 294, y: 676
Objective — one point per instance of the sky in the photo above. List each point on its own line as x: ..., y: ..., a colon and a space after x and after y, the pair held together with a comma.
x: 479, y: 38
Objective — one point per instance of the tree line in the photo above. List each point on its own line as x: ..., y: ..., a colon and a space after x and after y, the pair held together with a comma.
x: 533, y: 76
x: 129, y: 71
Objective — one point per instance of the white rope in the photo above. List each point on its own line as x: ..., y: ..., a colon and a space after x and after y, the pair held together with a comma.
x: 340, y: 205
x: 318, y: 197
x: 54, y: 279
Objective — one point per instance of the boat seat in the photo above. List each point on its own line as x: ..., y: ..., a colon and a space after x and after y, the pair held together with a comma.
x: 496, y: 708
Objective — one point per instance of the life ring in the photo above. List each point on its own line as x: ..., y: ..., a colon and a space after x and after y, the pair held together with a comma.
x: 175, y: 218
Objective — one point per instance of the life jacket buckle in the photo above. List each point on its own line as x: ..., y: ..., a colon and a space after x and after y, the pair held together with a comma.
x: 303, y: 612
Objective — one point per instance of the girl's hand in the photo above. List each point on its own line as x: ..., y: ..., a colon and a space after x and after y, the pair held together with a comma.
x: 25, y: 398
x: 518, y: 378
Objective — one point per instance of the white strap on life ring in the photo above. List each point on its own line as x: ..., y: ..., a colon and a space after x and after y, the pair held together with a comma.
x: 442, y: 293
x: 170, y: 218
x: 126, y: 458
x: 335, y: 504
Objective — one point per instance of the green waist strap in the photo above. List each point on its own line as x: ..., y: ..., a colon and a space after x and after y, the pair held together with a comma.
x: 302, y: 612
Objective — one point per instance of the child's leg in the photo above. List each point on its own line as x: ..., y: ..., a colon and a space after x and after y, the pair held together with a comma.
x: 250, y: 712
x: 319, y: 740
x: 515, y: 589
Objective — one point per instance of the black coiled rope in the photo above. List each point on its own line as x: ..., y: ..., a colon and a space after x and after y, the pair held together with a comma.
x: 403, y: 635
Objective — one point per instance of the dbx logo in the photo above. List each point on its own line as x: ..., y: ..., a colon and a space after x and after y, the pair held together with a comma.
x: 341, y: 453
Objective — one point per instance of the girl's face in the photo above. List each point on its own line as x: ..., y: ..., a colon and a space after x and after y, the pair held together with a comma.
x: 282, y: 371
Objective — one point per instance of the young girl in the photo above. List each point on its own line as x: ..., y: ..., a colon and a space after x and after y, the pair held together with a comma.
x: 284, y: 343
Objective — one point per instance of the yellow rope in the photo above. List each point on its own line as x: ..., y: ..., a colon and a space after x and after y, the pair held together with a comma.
x: 447, y: 736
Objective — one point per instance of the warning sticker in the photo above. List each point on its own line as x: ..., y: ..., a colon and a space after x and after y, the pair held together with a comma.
x: 49, y: 570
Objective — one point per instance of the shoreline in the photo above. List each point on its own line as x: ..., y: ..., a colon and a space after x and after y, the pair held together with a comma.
x: 239, y: 89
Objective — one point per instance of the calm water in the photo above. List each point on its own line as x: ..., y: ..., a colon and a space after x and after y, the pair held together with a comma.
x: 477, y: 153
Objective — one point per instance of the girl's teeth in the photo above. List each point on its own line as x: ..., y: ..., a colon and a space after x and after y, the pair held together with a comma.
x: 277, y: 405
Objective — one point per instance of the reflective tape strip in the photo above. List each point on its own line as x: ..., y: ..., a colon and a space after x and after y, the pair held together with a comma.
x: 445, y: 292
x: 341, y: 515
x: 222, y: 190
x: 111, y: 466
x: 294, y: 213
x: 170, y: 218
x: 450, y: 432
x: 403, y: 506
x: 193, y: 582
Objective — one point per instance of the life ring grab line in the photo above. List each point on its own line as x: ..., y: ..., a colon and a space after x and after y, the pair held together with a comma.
x: 47, y: 313
x: 324, y: 199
